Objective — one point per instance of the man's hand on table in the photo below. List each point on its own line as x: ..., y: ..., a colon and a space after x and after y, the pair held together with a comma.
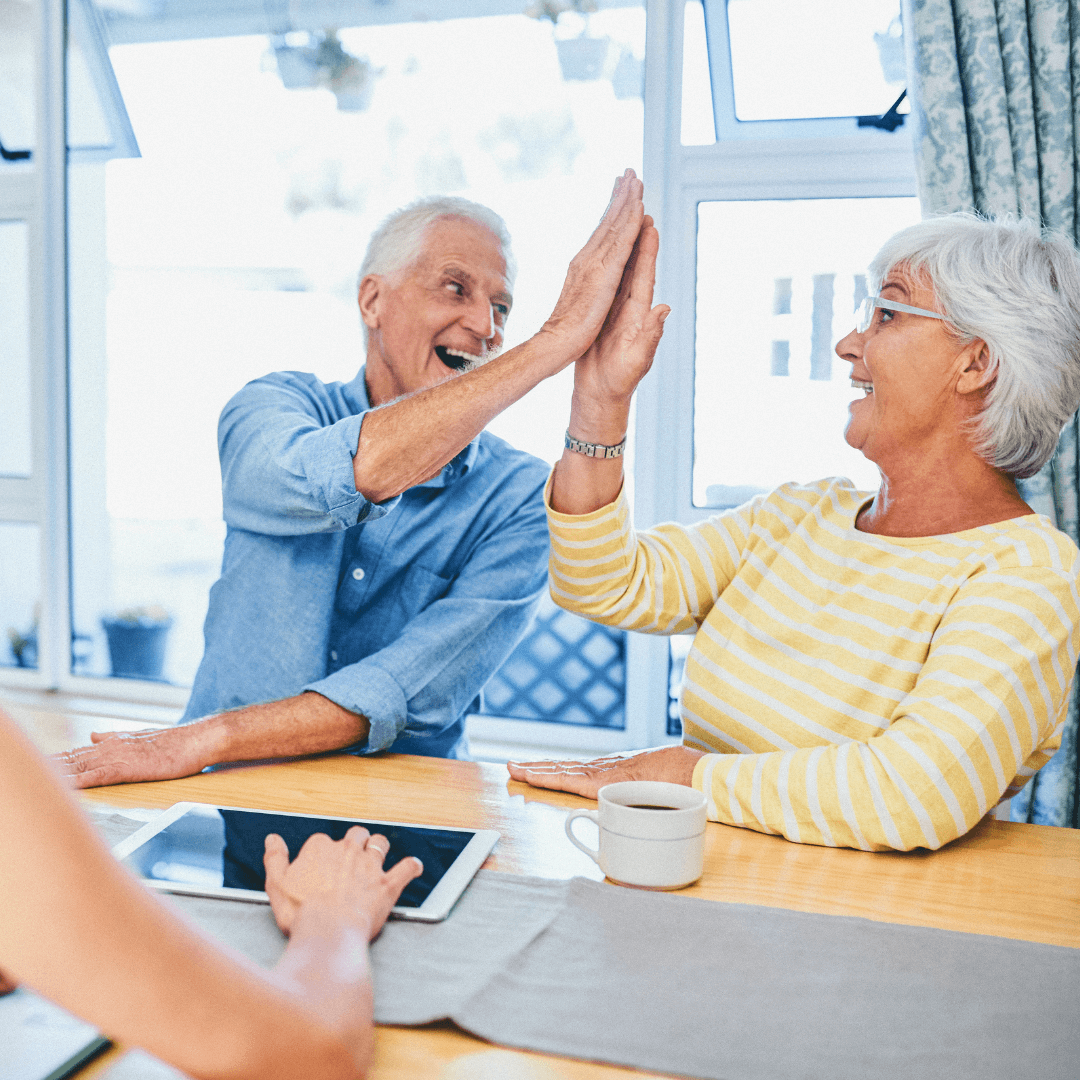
x: 671, y: 764
x: 131, y: 757
x: 335, y: 877
x: 293, y: 727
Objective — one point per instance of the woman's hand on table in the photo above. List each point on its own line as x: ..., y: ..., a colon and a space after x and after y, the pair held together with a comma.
x: 671, y: 764
x: 339, y: 876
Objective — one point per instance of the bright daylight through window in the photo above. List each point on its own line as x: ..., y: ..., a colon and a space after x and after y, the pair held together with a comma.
x: 230, y: 249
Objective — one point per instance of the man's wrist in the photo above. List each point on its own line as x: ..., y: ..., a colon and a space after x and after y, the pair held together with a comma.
x: 211, y: 739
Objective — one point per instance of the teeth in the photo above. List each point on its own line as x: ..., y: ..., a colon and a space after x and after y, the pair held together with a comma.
x: 860, y: 385
x: 464, y: 355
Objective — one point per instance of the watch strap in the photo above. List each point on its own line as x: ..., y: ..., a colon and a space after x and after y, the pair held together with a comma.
x: 593, y: 450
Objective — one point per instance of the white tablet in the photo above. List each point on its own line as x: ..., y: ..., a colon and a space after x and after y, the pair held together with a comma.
x: 205, y: 850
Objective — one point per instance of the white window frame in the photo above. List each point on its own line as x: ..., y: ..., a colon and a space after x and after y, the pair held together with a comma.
x: 34, y: 191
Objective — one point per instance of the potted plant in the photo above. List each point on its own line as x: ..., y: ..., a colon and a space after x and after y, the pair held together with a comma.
x: 582, y: 58
x: 137, y: 638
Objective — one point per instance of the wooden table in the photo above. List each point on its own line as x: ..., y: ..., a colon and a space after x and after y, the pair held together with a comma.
x: 1008, y: 880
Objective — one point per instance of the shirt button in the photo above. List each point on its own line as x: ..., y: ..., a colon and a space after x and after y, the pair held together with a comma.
x: 358, y: 573
x: 333, y: 654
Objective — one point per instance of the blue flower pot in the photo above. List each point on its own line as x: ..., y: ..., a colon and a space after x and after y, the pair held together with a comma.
x: 136, y: 649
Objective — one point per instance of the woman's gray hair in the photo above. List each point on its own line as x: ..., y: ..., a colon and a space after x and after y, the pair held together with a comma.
x: 1017, y: 287
x: 397, y: 242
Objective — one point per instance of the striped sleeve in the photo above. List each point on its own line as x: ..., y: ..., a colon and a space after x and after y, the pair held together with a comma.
x: 661, y: 581
x: 986, y: 710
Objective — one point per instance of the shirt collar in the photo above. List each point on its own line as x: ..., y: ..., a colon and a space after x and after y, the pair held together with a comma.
x: 357, y: 395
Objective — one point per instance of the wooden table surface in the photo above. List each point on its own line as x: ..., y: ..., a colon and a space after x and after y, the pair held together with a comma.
x: 1004, y: 879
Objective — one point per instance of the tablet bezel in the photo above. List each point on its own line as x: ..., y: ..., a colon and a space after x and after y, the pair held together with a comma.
x: 435, y: 907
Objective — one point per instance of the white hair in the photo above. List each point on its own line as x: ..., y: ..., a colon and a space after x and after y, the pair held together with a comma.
x: 1017, y: 287
x: 398, y: 241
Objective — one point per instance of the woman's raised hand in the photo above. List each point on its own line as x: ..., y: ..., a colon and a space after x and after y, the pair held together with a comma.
x: 623, y: 352
x: 344, y: 876
x: 596, y: 271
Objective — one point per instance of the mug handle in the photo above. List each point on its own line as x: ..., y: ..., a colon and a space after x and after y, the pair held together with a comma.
x: 592, y: 815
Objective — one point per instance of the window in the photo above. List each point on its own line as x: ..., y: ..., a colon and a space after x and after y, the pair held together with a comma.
x: 221, y: 183
x: 765, y: 235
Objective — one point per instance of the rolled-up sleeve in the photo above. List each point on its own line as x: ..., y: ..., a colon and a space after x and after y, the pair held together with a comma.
x: 287, y: 463
x: 426, y: 678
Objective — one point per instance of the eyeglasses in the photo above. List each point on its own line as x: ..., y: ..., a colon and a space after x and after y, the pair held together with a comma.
x: 864, y: 313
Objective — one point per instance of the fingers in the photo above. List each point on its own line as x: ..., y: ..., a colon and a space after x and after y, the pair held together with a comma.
x: 379, y: 844
x: 275, y: 860
x: 399, y: 875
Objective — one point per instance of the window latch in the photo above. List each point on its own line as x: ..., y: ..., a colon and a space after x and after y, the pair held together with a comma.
x: 888, y: 121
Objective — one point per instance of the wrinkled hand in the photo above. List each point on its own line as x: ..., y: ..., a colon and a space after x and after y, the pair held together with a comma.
x: 130, y: 757
x: 343, y: 875
x: 671, y: 764
x: 623, y: 352
x: 597, y: 270
x: 6, y: 984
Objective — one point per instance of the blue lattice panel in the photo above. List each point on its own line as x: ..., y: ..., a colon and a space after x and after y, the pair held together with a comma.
x: 566, y: 670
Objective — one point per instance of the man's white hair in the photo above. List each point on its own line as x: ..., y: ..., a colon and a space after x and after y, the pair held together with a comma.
x: 1017, y: 287
x: 397, y: 242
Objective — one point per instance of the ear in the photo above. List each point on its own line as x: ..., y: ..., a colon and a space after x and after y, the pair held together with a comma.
x: 977, y: 373
x: 368, y: 298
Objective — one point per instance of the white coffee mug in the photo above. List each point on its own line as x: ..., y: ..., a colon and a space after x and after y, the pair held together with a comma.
x: 652, y: 834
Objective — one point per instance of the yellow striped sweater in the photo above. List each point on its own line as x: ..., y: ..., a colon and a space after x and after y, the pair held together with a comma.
x: 850, y: 690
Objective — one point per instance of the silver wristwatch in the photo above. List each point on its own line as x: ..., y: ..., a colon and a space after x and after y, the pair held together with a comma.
x: 593, y: 450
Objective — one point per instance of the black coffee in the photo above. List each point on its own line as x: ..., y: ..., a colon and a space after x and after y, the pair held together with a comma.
x: 649, y: 806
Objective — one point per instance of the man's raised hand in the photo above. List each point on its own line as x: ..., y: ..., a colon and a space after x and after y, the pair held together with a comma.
x: 596, y: 271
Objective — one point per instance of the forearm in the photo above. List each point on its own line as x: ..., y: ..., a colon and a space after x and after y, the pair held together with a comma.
x: 326, y: 967
x: 306, y: 724
x: 408, y: 441
x: 582, y: 484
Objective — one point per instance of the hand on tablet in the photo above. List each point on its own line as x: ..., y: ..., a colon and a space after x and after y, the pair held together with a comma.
x: 336, y: 875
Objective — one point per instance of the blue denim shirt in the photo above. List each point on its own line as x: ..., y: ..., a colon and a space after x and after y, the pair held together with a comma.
x: 400, y: 610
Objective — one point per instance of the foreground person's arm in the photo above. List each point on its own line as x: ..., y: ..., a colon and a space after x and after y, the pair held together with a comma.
x: 81, y: 931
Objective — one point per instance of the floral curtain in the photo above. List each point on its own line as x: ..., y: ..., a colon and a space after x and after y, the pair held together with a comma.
x: 995, y: 88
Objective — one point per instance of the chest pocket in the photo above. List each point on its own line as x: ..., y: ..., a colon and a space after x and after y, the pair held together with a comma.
x: 419, y: 589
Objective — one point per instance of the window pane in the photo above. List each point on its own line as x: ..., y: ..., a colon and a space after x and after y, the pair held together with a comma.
x: 770, y: 395
x: 230, y: 248
x: 17, y: 75
x: 20, y: 595
x: 793, y: 59
x: 15, y: 457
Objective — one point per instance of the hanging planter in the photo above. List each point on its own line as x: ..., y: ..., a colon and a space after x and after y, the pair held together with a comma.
x: 584, y: 59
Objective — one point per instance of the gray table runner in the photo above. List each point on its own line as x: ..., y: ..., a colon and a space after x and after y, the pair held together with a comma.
x: 712, y: 990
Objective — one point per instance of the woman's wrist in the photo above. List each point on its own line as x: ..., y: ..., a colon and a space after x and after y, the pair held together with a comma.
x: 598, y: 420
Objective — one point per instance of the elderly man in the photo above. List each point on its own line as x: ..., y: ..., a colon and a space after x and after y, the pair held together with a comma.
x: 383, y: 553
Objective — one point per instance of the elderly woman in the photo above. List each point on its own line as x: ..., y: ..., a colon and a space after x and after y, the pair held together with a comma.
x: 870, y: 669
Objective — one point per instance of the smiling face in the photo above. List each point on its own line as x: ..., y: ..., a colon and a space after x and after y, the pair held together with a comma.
x: 919, y: 385
x: 443, y: 313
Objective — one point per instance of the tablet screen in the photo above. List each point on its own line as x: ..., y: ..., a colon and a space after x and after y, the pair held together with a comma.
x: 210, y: 847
